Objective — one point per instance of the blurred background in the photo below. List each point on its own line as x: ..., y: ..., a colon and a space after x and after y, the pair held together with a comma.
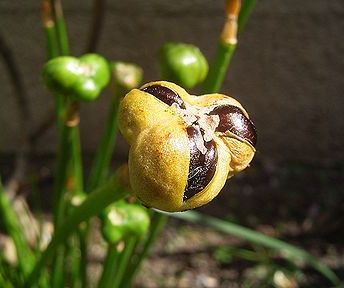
x: 287, y: 71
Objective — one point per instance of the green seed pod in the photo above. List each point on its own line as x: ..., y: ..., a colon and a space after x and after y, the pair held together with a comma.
x: 183, y: 147
x: 125, y: 76
x: 82, y: 78
x: 121, y: 220
x: 183, y: 64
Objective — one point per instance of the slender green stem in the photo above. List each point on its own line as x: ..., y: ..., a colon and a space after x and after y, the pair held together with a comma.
x: 25, y: 256
x: 158, y: 223
x: 62, y: 160
x: 51, y: 48
x: 6, y: 281
x: 106, y: 147
x: 94, y: 203
x: 69, y: 168
x: 76, y: 168
x: 77, y: 278
x: 226, y: 46
x: 69, y: 143
x: 82, y: 237
x: 245, y: 12
x: 57, y: 275
x: 131, y: 255
x: 109, y: 265
x: 69, y: 180
x: 219, y: 67
x: 61, y: 28
x: 123, y: 262
x: 49, y: 29
x: 100, y: 168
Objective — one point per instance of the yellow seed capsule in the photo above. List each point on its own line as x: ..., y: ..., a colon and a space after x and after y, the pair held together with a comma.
x: 183, y: 147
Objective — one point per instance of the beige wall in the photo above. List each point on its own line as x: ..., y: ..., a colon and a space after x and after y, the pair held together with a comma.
x: 288, y: 69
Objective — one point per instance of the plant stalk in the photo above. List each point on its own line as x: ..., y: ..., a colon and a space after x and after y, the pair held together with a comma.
x: 105, y: 150
x: 25, y: 256
x: 109, y: 266
x: 158, y: 222
x: 225, y: 49
x: 123, y: 262
x: 110, y: 192
x: 237, y: 16
x: 61, y: 28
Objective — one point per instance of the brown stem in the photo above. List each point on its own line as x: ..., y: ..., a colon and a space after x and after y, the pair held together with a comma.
x: 96, y: 25
x: 230, y: 29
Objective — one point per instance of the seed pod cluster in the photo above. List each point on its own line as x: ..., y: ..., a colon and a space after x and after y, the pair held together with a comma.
x: 82, y: 78
x: 183, y: 147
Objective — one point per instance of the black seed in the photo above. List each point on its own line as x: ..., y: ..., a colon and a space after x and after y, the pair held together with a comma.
x: 164, y: 94
x: 233, y: 119
x: 202, y: 166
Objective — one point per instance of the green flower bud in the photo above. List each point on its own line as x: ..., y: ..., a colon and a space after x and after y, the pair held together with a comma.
x: 125, y: 76
x: 122, y: 220
x: 183, y: 64
x: 82, y: 78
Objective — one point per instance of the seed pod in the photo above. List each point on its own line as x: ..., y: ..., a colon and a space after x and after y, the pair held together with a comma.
x: 183, y: 64
x: 183, y: 147
x: 82, y: 78
x: 125, y: 76
x: 121, y: 220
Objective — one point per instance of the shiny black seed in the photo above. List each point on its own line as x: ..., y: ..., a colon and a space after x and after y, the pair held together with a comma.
x: 202, y: 166
x: 233, y: 119
x: 164, y: 94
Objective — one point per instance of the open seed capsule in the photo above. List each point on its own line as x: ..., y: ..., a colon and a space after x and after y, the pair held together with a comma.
x: 183, y: 147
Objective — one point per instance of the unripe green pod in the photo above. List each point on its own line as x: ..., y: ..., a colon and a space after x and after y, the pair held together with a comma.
x: 81, y: 78
x: 121, y: 220
x: 183, y: 64
x: 125, y: 76
x: 183, y: 147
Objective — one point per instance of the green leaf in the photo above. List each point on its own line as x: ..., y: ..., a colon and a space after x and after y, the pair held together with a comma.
x: 289, y: 251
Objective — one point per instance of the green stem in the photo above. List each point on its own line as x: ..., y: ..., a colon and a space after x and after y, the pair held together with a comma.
x: 106, y: 148
x: 62, y: 162
x: 49, y: 29
x: 78, y: 171
x: 158, y: 223
x: 69, y: 180
x: 109, y: 265
x: 99, y: 171
x: 94, y: 203
x: 57, y: 275
x: 130, y: 255
x: 25, y: 256
x: 61, y: 29
x: 123, y: 262
x: 69, y: 143
x: 82, y: 236
x: 51, y: 47
x: 224, y: 53
x: 219, y: 67
x: 77, y: 278
x: 245, y: 12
